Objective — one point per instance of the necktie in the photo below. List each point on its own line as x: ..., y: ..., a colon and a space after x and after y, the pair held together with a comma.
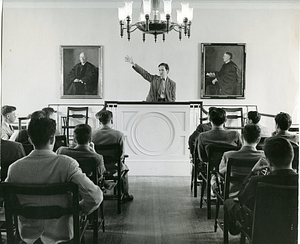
x: 162, y: 88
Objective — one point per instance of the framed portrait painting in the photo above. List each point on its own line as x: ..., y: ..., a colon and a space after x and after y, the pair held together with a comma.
x: 81, y: 71
x: 223, y: 70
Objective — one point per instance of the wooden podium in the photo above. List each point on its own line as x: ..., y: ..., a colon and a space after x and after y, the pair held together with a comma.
x: 156, y: 135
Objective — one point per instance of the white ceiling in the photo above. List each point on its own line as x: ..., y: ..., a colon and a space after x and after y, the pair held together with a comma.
x: 174, y: 1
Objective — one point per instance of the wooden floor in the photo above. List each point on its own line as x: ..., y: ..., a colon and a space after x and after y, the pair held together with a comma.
x: 163, y: 211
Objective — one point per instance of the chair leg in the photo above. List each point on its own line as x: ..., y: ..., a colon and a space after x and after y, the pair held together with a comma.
x: 192, y: 180
x: 95, y: 226
x: 217, y: 214
x: 102, y: 216
x: 119, y: 197
x: 195, y: 180
x: 68, y: 137
x: 225, y: 232
x: 203, y: 185
x: 243, y: 238
x: 208, y: 195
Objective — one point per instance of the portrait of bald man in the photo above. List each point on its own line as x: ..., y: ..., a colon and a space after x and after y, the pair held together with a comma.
x: 82, y: 79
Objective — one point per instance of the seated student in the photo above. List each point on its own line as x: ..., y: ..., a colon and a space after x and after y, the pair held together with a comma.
x: 251, y: 136
x: 83, y: 148
x: 218, y: 134
x: 254, y: 118
x: 23, y: 136
x: 8, y: 117
x: 44, y: 166
x: 283, y: 122
x: 279, y: 153
x: 10, y: 152
x: 107, y: 135
x: 200, y: 128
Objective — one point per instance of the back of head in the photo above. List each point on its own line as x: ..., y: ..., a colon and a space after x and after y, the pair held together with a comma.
x: 48, y: 111
x: 41, y: 130
x: 82, y: 134
x: 210, y: 109
x: 217, y: 116
x: 104, y: 116
x: 283, y: 120
x: 279, y: 151
x: 254, y: 116
x: 37, y: 115
x: 6, y: 109
x: 251, y: 133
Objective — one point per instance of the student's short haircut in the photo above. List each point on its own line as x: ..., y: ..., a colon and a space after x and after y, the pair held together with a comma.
x: 37, y: 115
x: 230, y: 54
x: 48, y: 111
x: 210, y: 109
x: 283, y: 120
x: 217, y: 116
x: 254, y: 116
x: 279, y: 151
x: 104, y: 116
x: 41, y: 131
x: 165, y: 65
x: 82, y: 133
x: 251, y: 133
x: 6, y: 109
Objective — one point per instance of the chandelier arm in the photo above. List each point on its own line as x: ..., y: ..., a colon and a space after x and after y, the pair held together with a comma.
x: 133, y: 29
x: 175, y: 27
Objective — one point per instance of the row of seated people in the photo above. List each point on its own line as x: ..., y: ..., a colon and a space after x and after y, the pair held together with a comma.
x: 283, y: 122
x: 43, y: 165
x: 274, y: 164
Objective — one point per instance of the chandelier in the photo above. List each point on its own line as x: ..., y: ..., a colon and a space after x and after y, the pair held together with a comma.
x: 156, y: 23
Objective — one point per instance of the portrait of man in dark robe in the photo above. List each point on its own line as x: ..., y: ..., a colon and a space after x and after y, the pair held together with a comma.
x: 80, y: 75
x: 224, y: 79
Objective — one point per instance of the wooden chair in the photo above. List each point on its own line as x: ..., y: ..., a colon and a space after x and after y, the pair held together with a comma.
x: 275, y: 216
x: 194, y: 172
x: 112, y: 160
x: 90, y: 168
x: 237, y: 170
x: 214, y: 154
x: 4, y: 168
x: 260, y: 145
x: 234, y: 115
x: 60, y: 141
x: 295, y: 163
x: 10, y: 191
x: 27, y: 148
x: 75, y: 115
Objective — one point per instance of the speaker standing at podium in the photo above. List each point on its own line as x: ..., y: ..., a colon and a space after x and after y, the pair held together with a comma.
x: 162, y: 88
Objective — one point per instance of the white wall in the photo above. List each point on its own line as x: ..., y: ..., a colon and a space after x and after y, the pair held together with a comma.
x: 33, y: 33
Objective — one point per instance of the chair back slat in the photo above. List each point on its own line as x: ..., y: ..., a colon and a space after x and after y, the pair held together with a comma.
x: 237, y: 170
x: 111, y: 154
x: 215, y: 153
x: 275, y: 214
x: 73, y: 113
x: 234, y: 114
x: 14, y: 208
x: 112, y: 160
x: 60, y: 141
x: 88, y: 166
